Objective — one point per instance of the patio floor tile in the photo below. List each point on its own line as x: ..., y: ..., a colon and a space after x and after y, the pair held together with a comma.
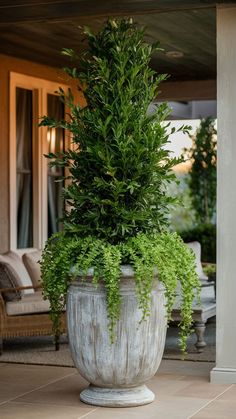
x: 182, y: 391
x: 218, y: 409
x: 42, y: 411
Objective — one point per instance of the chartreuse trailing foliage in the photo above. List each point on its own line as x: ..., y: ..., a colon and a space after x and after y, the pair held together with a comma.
x: 65, y: 256
x: 118, y: 171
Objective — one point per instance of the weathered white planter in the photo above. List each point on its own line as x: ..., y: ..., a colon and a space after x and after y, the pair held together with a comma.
x: 117, y: 372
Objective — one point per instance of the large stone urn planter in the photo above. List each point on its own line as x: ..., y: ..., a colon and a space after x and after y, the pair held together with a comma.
x: 116, y: 372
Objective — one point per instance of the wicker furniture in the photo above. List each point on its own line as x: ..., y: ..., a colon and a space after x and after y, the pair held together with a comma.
x: 28, y: 324
x: 23, y: 311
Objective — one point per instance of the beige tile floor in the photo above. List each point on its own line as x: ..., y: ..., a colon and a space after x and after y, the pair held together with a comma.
x: 182, y: 391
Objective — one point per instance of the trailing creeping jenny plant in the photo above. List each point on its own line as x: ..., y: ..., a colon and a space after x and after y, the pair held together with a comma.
x: 116, y: 198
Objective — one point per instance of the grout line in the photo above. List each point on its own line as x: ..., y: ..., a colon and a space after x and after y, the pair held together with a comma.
x: 35, y: 389
x: 54, y: 404
x: 210, y: 401
x: 86, y: 414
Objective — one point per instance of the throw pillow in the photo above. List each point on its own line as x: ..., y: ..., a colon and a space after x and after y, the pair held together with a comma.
x: 8, y: 279
x: 22, y: 276
x: 31, y: 262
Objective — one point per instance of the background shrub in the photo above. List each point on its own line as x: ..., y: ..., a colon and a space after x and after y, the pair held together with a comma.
x: 206, y: 235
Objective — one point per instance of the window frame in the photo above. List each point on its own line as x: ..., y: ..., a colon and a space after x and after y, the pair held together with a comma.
x: 40, y: 89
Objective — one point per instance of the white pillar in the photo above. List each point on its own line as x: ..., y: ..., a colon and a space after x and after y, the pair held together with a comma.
x: 225, y: 370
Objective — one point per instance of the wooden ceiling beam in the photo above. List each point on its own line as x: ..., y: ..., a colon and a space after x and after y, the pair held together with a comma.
x: 61, y: 10
x: 188, y: 90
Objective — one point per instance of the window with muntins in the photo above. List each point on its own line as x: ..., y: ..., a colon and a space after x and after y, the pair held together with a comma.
x: 36, y: 205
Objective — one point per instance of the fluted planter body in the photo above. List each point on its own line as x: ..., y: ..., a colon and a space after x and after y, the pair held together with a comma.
x: 117, y: 372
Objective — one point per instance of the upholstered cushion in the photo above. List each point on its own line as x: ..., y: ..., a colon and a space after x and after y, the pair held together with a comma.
x: 31, y: 262
x: 8, y: 280
x: 29, y: 304
x: 21, y: 276
x: 196, y: 247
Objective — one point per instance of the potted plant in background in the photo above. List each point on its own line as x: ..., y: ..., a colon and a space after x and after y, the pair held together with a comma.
x: 115, y: 253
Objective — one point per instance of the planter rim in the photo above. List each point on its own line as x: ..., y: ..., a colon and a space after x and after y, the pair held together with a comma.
x: 127, y: 281
x: 126, y: 271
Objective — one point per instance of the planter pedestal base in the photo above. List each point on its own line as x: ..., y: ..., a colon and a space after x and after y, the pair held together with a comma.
x: 117, y: 397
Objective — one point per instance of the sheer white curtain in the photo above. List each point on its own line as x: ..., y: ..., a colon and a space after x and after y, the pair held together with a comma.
x: 24, y: 168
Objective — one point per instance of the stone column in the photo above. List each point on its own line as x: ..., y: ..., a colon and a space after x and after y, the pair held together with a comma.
x: 225, y: 370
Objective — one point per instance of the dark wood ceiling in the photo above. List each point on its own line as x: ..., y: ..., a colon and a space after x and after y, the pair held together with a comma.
x: 37, y: 30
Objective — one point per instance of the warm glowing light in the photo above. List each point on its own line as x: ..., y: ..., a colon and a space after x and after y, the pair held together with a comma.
x: 51, y: 138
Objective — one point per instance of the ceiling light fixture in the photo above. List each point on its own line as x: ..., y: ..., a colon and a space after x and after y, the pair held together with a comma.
x: 174, y: 54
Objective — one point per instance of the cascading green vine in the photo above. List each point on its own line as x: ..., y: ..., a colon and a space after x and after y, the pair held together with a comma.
x: 116, y: 200
x: 65, y: 257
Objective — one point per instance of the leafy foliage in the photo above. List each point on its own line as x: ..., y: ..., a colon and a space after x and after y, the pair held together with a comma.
x: 66, y: 256
x: 202, y: 176
x: 210, y: 270
x: 182, y: 217
x: 118, y: 171
x: 206, y: 235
